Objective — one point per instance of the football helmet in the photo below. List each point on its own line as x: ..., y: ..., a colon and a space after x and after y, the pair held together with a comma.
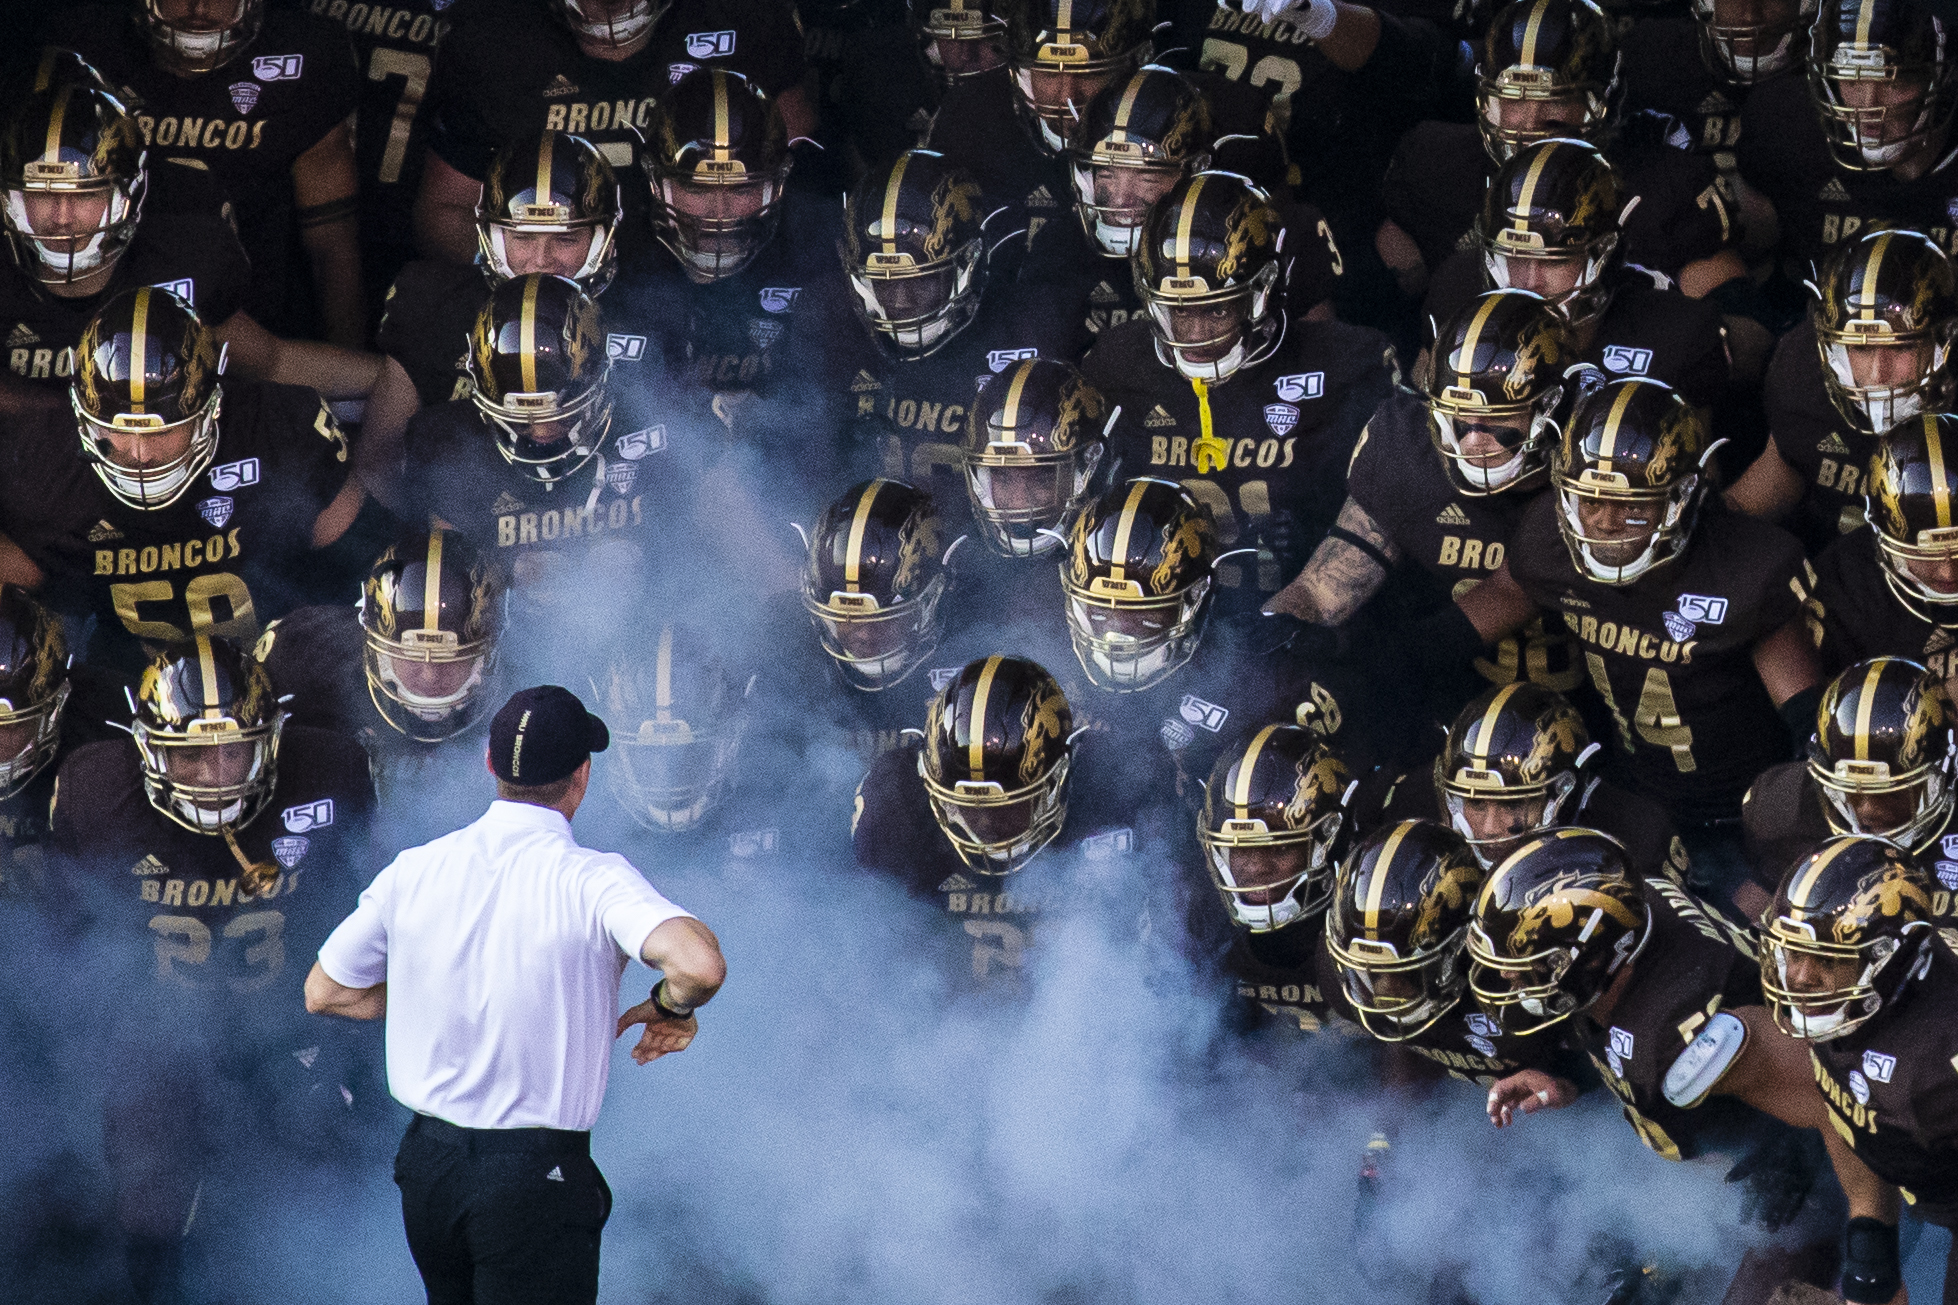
x: 1882, y: 80
x: 1769, y: 38
x: 1516, y: 753
x: 1549, y: 224
x: 1497, y: 379
x: 201, y: 49
x: 999, y: 740
x: 1207, y: 268
x: 207, y: 729
x: 1398, y: 928
x: 75, y: 173
x: 550, y: 184
x: 1546, y: 68
x: 1630, y: 476
x: 915, y: 252
x: 961, y: 38
x: 537, y: 374
x: 677, y: 721
x: 146, y: 379
x: 1137, y: 583
x: 1848, y: 930
x: 611, y: 23
x: 431, y: 609
x: 1884, y: 316
x: 1883, y: 753
x: 33, y: 688
x: 1063, y: 52
x: 1273, y: 813
x: 1912, y: 487
x: 1035, y: 438
x: 1554, y: 923
x: 876, y: 582
x: 1138, y: 137
x: 718, y: 155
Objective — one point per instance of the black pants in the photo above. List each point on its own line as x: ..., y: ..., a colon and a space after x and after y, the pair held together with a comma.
x: 502, y: 1216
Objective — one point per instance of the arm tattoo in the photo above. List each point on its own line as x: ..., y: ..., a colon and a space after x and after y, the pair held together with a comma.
x: 1341, y: 577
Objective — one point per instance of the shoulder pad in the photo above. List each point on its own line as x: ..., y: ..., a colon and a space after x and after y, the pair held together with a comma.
x: 1706, y: 1060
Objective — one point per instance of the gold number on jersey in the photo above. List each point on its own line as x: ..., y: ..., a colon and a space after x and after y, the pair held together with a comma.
x: 199, y: 592
x: 412, y: 68
x: 185, y: 940
x: 1656, y: 718
x: 1710, y: 198
x: 1339, y: 264
x: 1254, y: 510
x: 996, y: 943
x: 1226, y: 57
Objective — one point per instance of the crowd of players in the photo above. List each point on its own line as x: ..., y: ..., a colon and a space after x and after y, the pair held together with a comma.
x: 1466, y: 487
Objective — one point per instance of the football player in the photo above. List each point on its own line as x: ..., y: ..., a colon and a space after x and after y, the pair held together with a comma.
x: 1551, y: 68
x: 1136, y: 139
x: 1661, y: 992
x: 918, y: 252
x: 1873, y: 352
x: 1550, y: 224
x: 1262, y: 412
x: 1862, y: 142
x: 1032, y: 447
x: 1518, y: 761
x: 82, y: 226
x: 1439, y: 479
x: 1689, y: 616
x: 593, y: 68
x: 1854, y: 965
x: 1880, y: 763
x: 262, y: 99
x: 197, y: 497
x: 410, y: 667
x: 218, y: 849
x: 1890, y: 587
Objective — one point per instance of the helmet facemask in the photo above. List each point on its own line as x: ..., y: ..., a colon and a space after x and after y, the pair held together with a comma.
x: 1881, y: 377
x: 1548, y: 107
x: 917, y: 308
x: 1211, y: 335
x: 716, y: 228
x: 1051, y: 101
x: 1935, y: 547
x: 1535, y: 807
x: 203, y: 50
x: 1914, y: 818
x: 37, y: 727
x: 1113, y: 192
x: 214, y: 775
x: 612, y: 25
x: 1468, y: 435
x: 671, y: 774
x: 1760, y: 44
x: 994, y: 831
x: 593, y: 275
x: 1820, y: 990
x: 545, y: 435
x: 1025, y: 502
x: 877, y: 647
x: 57, y: 245
x: 428, y: 684
x: 1665, y: 516
x: 1878, y: 109
x: 1126, y: 641
x: 1521, y: 260
x: 1244, y: 854
x: 1400, y: 997
x: 159, y: 485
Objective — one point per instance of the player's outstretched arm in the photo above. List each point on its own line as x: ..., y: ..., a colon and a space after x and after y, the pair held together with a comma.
x: 1341, y: 575
x: 1527, y: 1091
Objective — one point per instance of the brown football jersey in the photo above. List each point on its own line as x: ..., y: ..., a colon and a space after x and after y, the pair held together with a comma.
x: 1853, y: 615
x: 1812, y: 438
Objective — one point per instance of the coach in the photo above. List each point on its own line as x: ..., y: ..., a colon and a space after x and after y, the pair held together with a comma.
x: 499, y: 950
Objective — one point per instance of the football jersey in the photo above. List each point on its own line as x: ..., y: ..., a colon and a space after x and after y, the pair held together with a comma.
x: 876, y: 90
x: 1812, y: 438
x: 1672, y: 653
x: 1819, y: 205
x: 1674, y: 214
x: 247, y: 122
x: 1290, y: 423
x: 1694, y: 964
x: 230, y: 554
x: 908, y: 417
x: 195, y: 256
x: 1062, y: 266
x: 1313, y: 103
x: 1854, y: 616
x: 181, y: 899
x: 509, y: 69
x: 1458, y: 539
x: 1892, y: 1090
x: 95, y: 699
x: 602, y: 525
x: 1782, y: 821
x: 1276, y: 974
x: 977, y: 128
x: 1649, y: 329
x: 1663, y: 69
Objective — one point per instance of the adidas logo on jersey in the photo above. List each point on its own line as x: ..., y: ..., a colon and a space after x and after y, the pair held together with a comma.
x: 1716, y: 103
x: 560, y: 85
x: 149, y: 865
x: 22, y: 334
x: 1042, y: 198
x: 1158, y: 417
x: 1834, y: 445
x: 956, y: 884
x: 306, y: 1056
x: 1834, y: 193
x: 103, y: 533
x: 506, y: 503
x: 865, y: 383
x: 1104, y: 295
x: 1452, y: 515
x: 1939, y: 641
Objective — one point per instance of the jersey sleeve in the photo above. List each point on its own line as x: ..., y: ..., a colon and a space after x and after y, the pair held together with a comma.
x: 1681, y: 217
x: 318, y: 448
x: 1373, y: 474
x: 1840, y: 625
x: 1777, y: 570
x: 1538, y: 560
x: 461, y: 134
x: 332, y: 79
x: 891, y: 826
x: 1316, y: 263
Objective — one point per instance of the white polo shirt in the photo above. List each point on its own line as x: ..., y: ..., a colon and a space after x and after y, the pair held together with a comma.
x: 502, y: 946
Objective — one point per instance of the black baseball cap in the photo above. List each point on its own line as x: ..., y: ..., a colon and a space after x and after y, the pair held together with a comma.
x: 543, y: 734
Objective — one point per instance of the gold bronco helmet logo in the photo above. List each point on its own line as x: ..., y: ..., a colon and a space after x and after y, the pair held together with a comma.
x: 1555, y: 732
x: 1457, y: 879
x: 1080, y: 405
x: 1188, y: 538
x: 953, y: 200
x: 917, y: 544
x: 1538, y: 351
x: 1678, y: 441
x: 1044, y: 724
x: 1247, y: 229
x: 1924, y: 711
x: 1885, y: 894
x: 1556, y: 905
x: 1318, y: 775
